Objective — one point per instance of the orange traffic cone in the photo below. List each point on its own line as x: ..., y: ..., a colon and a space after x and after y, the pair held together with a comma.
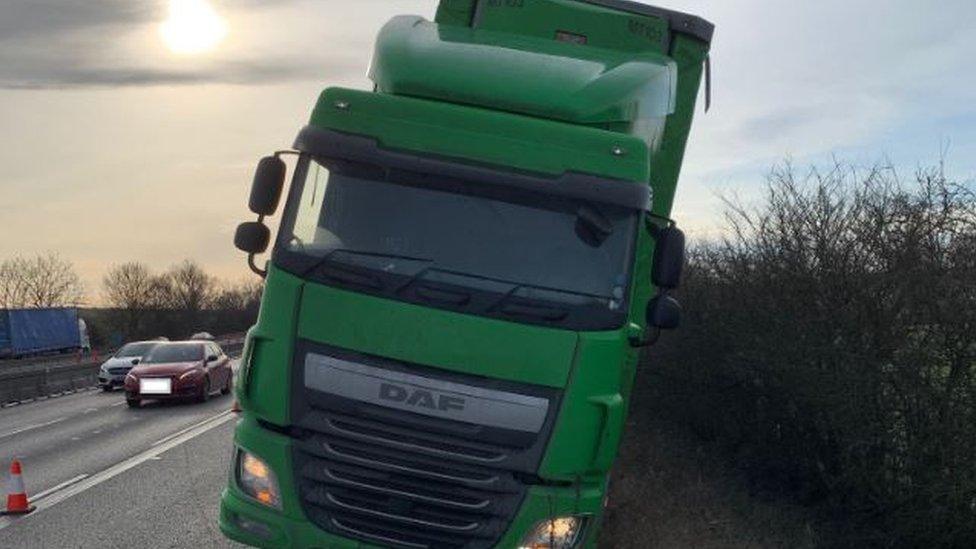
x: 17, y: 503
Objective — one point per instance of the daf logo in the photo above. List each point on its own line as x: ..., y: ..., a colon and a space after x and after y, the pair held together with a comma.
x: 420, y: 397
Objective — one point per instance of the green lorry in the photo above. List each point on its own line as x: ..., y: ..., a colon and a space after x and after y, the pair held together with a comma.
x: 469, y: 260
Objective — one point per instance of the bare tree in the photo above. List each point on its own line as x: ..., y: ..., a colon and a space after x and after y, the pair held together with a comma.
x: 129, y: 288
x: 39, y: 281
x: 190, y: 288
x: 13, y: 290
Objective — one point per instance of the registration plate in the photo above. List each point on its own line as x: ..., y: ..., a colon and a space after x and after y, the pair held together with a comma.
x: 155, y: 386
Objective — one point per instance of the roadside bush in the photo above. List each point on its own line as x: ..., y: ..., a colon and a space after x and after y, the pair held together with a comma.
x: 829, y: 344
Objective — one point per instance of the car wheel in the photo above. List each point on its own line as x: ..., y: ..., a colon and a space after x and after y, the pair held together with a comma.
x: 227, y: 386
x: 107, y: 388
x: 133, y: 402
x: 205, y: 393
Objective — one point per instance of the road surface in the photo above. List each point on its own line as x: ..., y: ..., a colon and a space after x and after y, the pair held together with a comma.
x: 105, y: 475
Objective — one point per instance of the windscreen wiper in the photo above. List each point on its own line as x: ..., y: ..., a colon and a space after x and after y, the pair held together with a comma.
x: 427, y: 270
x: 343, y: 273
x: 516, y: 305
x: 532, y: 310
x: 354, y: 274
x: 453, y: 297
x: 327, y: 258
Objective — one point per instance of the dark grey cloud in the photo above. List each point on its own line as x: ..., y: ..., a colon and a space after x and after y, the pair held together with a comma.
x: 49, y: 18
x: 60, y: 44
x: 225, y: 73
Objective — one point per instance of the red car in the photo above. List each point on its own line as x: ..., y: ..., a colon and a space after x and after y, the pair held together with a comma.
x: 181, y: 370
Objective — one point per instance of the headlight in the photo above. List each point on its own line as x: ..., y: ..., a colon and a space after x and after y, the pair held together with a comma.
x: 257, y: 480
x: 560, y: 532
x: 188, y: 374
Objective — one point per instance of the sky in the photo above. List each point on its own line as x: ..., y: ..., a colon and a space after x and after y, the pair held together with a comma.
x: 121, y: 141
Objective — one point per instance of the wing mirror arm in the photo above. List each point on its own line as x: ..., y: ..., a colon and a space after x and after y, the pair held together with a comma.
x: 663, y: 311
x: 269, y: 180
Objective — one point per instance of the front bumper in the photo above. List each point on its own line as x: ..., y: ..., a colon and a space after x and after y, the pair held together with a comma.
x: 181, y: 390
x: 244, y: 520
x: 106, y: 379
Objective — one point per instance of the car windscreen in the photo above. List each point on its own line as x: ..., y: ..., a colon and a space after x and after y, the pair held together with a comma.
x: 135, y: 350
x: 175, y: 352
x: 463, y: 235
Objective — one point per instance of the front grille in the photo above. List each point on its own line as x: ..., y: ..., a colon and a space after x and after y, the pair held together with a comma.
x: 399, y: 479
x: 368, y: 479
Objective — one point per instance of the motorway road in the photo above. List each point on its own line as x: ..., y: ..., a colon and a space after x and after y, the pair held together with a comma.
x: 105, y: 475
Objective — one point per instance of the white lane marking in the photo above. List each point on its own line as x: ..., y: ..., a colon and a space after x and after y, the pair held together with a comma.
x: 90, y: 410
x: 31, y: 427
x: 90, y: 482
x: 120, y: 403
x: 181, y: 431
x: 51, y: 490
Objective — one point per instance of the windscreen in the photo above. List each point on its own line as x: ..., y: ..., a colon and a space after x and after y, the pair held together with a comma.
x: 175, y: 352
x: 135, y: 350
x: 523, y: 245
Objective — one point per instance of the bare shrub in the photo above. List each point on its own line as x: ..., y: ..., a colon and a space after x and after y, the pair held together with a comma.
x: 829, y: 343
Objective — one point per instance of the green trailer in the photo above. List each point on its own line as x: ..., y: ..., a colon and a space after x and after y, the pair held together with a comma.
x: 469, y: 260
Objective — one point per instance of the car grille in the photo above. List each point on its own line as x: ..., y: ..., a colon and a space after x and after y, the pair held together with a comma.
x: 399, y: 479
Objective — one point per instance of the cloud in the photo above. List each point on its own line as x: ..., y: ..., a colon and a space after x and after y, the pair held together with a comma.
x: 62, y: 44
x: 234, y: 72
x: 46, y: 19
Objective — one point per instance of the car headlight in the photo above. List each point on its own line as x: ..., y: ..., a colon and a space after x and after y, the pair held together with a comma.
x: 257, y: 480
x: 559, y: 532
x: 188, y: 374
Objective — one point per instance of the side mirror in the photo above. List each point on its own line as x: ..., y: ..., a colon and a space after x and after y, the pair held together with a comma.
x: 669, y: 258
x: 269, y: 179
x: 252, y: 237
x: 212, y: 358
x: 135, y: 361
x: 664, y: 312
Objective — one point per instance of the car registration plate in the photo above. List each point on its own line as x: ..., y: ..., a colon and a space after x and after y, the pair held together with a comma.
x: 155, y: 386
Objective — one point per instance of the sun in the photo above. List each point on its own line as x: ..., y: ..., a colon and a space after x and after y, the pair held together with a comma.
x: 193, y: 26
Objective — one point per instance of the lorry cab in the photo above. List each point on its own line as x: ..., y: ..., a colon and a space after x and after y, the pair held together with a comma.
x: 470, y: 258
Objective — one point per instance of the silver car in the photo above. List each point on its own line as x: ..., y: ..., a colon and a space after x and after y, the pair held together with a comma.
x: 113, y: 371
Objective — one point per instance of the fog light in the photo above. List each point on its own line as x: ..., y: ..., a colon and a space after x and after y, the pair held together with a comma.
x: 257, y: 480
x: 560, y: 532
x: 259, y: 529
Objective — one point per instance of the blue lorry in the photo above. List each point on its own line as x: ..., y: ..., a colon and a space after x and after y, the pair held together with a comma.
x: 25, y: 332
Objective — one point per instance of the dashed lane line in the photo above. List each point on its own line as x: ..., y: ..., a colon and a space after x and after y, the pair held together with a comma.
x: 171, y: 436
x: 55, y: 497
x: 32, y: 427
